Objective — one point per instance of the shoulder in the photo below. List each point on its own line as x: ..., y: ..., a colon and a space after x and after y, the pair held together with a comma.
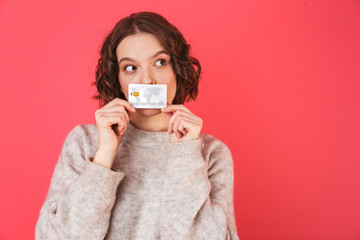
x: 79, y: 144
x: 219, y: 160
x: 82, y: 132
x: 212, y: 144
x: 85, y: 130
x: 216, y: 151
x: 82, y: 136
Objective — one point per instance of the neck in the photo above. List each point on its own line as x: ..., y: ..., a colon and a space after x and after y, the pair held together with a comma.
x: 154, y: 123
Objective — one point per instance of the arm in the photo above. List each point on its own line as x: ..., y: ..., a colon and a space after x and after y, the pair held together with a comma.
x: 197, y: 198
x: 81, y: 194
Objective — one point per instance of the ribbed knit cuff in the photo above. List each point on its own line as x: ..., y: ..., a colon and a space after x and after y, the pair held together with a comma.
x: 101, y: 178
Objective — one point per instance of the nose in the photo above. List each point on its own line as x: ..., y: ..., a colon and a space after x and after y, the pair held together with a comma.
x: 147, y: 77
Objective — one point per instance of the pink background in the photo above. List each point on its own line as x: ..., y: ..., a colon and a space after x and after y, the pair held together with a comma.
x: 280, y: 87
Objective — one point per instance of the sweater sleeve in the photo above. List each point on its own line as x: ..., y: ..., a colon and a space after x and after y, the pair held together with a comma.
x: 197, y: 197
x: 81, y: 194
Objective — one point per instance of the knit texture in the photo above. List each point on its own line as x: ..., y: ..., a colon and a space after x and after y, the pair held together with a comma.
x: 154, y: 190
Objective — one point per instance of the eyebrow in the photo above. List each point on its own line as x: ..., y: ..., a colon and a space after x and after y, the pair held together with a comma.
x: 154, y: 56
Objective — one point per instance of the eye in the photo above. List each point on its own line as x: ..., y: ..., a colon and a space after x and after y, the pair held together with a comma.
x: 160, y: 62
x: 129, y: 68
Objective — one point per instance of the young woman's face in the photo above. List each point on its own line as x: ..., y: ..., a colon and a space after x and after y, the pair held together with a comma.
x: 143, y: 60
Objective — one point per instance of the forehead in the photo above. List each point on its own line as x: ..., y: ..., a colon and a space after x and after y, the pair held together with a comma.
x: 138, y: 45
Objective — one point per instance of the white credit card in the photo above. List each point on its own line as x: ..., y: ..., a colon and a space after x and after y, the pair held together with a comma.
x: 147, y: 95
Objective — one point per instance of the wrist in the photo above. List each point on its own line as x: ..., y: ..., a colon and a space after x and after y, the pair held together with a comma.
x: 104, y: 157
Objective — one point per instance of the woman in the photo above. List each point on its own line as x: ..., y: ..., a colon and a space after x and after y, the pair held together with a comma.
x: 142, y: 173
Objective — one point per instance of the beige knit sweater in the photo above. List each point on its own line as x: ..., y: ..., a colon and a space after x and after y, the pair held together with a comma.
x: 155, y: 189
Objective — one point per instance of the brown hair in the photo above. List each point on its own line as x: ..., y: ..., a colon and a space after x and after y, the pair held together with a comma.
x: 107, y: 70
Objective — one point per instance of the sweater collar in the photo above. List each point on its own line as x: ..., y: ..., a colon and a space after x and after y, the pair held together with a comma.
x: 137, y: 136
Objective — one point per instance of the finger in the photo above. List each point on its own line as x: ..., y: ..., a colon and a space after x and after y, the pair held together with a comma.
x: 178, y: 133
x: 123, y: 113
x: 122, y: 102
x: 121, y: 132
x: 178, y: 113
x: 184, y: 132
x: 105, y: 119
x: 116, y: 109
x: 113, y: 111
x: 117, y: 114
x: 172, y: 108
x: 176, y: 129
x: 171, y: 118
x: 182, y: 113
x: 182, y: 124
x: 108, y: 121
x: 120, y: 127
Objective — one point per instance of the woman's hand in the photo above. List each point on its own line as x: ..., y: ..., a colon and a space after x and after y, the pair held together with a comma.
x: 111, y: 121
x: 183, y: 125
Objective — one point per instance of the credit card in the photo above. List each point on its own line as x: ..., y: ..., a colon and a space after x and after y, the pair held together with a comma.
x: 147, y: 95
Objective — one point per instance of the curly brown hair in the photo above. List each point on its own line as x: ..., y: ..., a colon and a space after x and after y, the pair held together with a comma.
x: 183, y: 64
